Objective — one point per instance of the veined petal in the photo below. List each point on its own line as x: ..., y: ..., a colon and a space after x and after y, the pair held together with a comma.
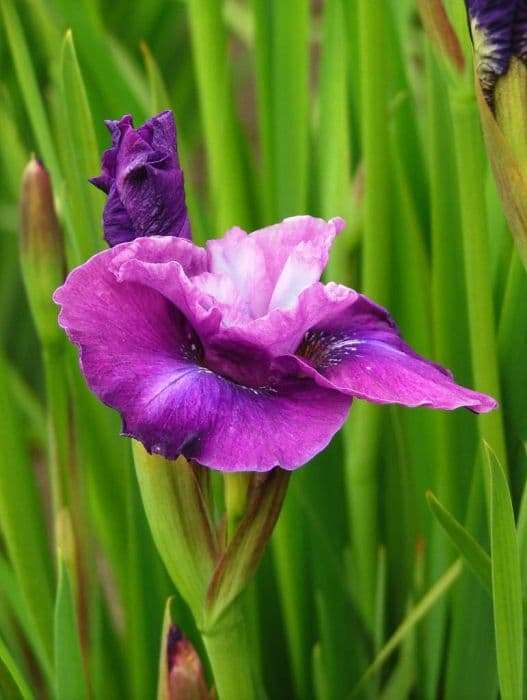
x: 140, y: 356
x: 230, y: 427
x: 360, y: 352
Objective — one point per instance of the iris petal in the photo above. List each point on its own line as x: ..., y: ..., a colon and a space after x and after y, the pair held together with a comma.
x: 168, y: 337
x: 361, y: 352
x: 141, y: 356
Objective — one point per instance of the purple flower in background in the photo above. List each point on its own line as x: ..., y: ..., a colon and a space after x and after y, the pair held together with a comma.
x: 143, y: 180
x: 499, y: 31
x: 236, y: 355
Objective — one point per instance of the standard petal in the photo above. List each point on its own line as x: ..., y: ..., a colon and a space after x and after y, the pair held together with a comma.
x: 272, y: 266
x: 141, y: 357
x: 281, y: 330
x: 360, y: 352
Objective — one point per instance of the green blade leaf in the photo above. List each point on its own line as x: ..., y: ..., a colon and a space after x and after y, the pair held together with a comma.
x: 473, y: 554
x: 159, y: 99
x: 69, y: 667
x: 239, y: 562
x: 223, y: 140
x: 22, y: 522
x: 12, y: 683
x: 406, y: 626
x: 29, y: 87
x: 82, y: 160
x: 180, y: 522
x: 506, y: 583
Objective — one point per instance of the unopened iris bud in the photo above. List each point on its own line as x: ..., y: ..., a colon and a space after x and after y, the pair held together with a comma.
x: 499, y: 34
x: 491, y: 25
x: 185, y: 679
x: 143, y: 179
x: 41, y: 248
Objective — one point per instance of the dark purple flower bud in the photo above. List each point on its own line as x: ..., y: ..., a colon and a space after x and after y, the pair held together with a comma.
x: 491, y: 24
x: 519, y: 31
x: 143, y: 179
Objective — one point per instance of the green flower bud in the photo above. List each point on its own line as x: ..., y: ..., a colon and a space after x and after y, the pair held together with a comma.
x: 41, y: 250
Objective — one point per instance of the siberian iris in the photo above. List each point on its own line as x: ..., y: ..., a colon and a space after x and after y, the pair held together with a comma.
x: 236, y: 355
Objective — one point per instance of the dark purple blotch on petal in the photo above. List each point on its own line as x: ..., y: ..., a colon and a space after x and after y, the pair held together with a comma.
x: 143, y: 179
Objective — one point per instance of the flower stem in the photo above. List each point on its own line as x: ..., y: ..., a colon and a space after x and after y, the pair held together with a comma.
x: 228, y: 649
x: 57, y: 400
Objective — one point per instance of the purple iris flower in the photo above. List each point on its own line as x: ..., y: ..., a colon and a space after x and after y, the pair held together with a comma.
x: 143, y: 179
x: 499, y: 31
x: 236, y: 355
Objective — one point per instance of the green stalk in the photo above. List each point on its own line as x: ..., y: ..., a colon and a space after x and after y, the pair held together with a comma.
x: 471, y: 169
x: 227, y: 177
x: 54, y: 359
x: 362, y: 433
x: 229, y: 653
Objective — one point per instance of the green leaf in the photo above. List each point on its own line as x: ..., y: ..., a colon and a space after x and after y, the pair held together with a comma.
x: 163, y: 692
x: 22, y: 522
x: 12, y: 683
x: 473, y: 554
x: 522, y: 538
x: 406, y: 626
x: 223, y: 139
x: 333, y: 134
x: 29, y: 87
x: 82, y: 159
x: 242, y: 556
x: 290, y: 95
x: 506, y: 584
x: 180, y: 522
x: 159, y: 99
x: 70, y: 675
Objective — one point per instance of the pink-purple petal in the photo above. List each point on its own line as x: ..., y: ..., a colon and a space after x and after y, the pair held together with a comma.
x: 141, y: 357
x: 272, y: 266
x: 280, y: 331
x: 360, y: 352
x: 226, y: 426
